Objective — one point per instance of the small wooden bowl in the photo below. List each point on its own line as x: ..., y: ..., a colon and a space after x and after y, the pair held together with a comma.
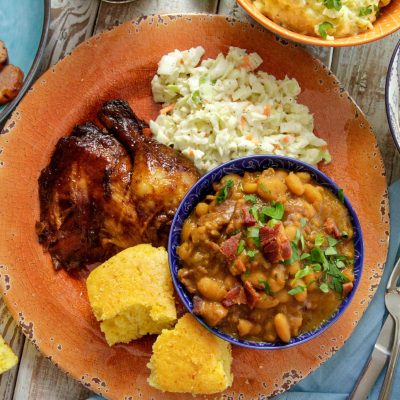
x: 387, y: 23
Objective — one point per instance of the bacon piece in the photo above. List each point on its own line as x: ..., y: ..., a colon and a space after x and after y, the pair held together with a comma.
x: 236, y: 295
x: 331, y: 228
x: 251, y: 294
x: 229, y: 246
x: 274, y: 243
x: 248, y: 219
x: 347, y: 288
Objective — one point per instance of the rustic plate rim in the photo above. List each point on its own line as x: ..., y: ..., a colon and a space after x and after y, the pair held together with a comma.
x: 137, y: 21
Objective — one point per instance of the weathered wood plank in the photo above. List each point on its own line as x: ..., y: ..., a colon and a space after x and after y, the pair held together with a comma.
x: 230, y: 7
x: 362, y: 70
x: 15, y: 338
x: 39, y: 378
x: 114, y: 14
x: 72, y: 21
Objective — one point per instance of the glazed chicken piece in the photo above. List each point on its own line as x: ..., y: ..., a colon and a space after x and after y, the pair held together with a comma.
x: 161, y: 175
x: 103, y: 192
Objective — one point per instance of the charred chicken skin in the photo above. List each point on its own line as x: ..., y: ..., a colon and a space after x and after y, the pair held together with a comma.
x: 104, y: 191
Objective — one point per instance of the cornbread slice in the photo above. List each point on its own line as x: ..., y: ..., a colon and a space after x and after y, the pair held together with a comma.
x: 189, y: 359
x: 7, y: 357
x: 132, y: 294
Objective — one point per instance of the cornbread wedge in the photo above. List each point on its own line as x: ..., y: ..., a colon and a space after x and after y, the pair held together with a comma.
x: 7, y: 357
x: 189, y: 359
x: 132, y: 294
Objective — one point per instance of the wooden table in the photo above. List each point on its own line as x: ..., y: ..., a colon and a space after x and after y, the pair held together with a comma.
x: 361, y: 70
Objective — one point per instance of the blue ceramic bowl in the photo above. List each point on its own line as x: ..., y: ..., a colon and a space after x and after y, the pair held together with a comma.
x: 204, y: 187
x: 392, y: 95
x: 24, y: 26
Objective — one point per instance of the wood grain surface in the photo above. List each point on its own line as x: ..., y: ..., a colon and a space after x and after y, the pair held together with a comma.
x: 361, y: 70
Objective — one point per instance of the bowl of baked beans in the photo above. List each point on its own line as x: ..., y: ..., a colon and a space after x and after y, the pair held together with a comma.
x: 266, y: 251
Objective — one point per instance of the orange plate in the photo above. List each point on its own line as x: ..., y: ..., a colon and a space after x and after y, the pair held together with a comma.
x: 387, y: 23
x: 52, y: 307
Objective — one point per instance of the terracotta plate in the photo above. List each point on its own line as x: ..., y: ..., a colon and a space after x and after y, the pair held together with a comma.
x: 52, y: 308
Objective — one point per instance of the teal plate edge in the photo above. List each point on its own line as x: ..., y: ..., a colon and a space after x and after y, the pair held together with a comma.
x: 30, y: 76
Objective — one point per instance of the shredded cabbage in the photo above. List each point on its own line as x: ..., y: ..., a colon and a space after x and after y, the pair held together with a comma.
x: 222, y: 109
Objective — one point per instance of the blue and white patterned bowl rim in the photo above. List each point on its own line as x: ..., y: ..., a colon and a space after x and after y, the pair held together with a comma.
x: 392, y: 95
x: 239, y: 166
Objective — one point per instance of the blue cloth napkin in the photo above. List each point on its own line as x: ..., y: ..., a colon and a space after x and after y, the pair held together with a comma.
x: 336, y: 378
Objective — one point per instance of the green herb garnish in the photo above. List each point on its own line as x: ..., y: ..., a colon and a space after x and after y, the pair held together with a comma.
x: 223, y: 193
x: 323, y: 28
x: 330, y: 251
x: 275, y: 211
x: 264, y: 188
x: 340, y: 195
x: 295, y: 254
x: 305, y: 256
x: 272, y: 222
x: 319, y: 240
x: 267, y: 288
x: 251, y: 198
x: 253, y: 210
x: 303, y: 222
x: 324, y: 287
x: 301, y: 273
x: 297, y: 290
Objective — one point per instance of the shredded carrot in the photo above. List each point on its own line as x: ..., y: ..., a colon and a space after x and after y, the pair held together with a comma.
x: 267, y: 110
x: 167, y: 109
x: 243, y: 121
x: 285, y: 139
x: 249, y: 137
x: 246, y: 64
x: 191, y: 153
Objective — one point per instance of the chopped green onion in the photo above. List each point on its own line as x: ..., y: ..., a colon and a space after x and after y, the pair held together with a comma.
x: 251, y: 253
x: 240, y: 247
x: 333, y: 4
x: 323, y: 28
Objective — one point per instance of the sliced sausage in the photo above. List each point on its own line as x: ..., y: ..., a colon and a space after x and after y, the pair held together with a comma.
x: 11, y: 80
x: 3, y: 54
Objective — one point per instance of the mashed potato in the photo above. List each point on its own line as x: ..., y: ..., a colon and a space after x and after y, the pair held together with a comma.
x: 325, y: 18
